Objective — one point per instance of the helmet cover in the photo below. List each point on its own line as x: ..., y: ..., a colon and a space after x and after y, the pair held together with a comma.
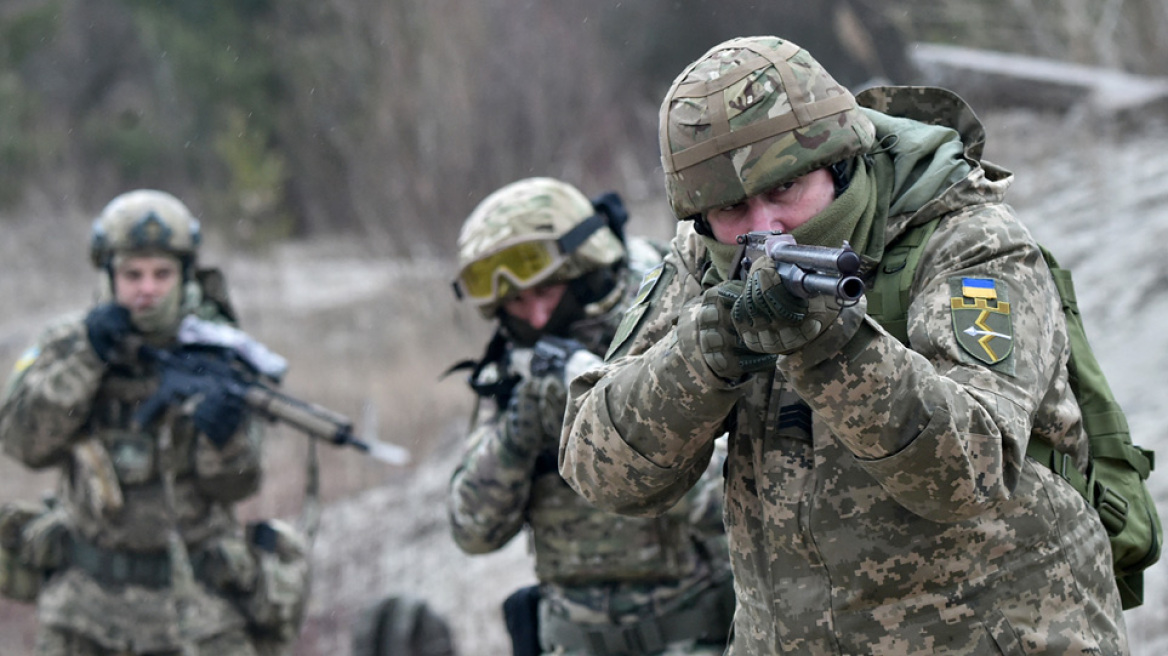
x: 748, y: 115
x: 144, y: 221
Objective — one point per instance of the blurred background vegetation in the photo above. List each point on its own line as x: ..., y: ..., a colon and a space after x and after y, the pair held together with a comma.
x: 333, y: 148
x: 388, y: 120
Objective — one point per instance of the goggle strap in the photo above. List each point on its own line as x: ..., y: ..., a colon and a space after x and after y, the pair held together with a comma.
x: 574, y: 238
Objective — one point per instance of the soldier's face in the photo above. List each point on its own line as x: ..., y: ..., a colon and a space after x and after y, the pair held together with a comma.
x: 535, y: 305
x: 784, y: 207
x: 141, y: 282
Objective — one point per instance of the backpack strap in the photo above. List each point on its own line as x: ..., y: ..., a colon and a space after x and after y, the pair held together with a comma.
x: 1115, y: 484
x: 888, y: 299
x: 214, y: 285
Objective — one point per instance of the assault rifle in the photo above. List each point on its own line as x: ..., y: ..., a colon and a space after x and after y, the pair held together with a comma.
x: 806, y: 271
x: 207, y: 361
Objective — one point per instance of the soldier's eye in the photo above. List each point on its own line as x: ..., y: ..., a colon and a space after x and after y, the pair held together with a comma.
x: 782, y: 188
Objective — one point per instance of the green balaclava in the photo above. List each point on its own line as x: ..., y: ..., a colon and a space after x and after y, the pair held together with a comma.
x: 856, y: 216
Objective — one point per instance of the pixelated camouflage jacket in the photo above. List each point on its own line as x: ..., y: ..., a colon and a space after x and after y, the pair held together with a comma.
x: 594, y: 565
x: 878, y: 501
x: 62, y: 394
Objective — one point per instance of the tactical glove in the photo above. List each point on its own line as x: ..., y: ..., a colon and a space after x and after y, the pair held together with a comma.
x: 535, y: 416
x: 773, y: 320
x: 107, y: 326
x: 722, y: 348
x: 218, y: 416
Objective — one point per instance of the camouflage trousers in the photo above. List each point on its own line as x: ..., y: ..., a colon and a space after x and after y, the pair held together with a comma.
x: 56, y: 642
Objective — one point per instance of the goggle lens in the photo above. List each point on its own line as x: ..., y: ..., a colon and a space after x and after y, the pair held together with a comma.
x: 523, y: 264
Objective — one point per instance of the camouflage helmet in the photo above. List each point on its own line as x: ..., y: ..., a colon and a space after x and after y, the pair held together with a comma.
x: 144, y: 221
x: 541, y: 212
x: 748, y: 115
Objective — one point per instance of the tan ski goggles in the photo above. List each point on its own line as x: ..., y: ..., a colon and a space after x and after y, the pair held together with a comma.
x: 521, y: 264
x: 518, y: 266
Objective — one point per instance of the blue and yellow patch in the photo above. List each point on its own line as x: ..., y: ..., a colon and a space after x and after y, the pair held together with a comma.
x: 26, y: 359
x: 979, y: 288
x: 982, y: 319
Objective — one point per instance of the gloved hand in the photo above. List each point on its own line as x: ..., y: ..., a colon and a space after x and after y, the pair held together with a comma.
x: 550, y: 355
x: 720, y: 344
x: 535, y: 415
x: 218, y: 416
x: 107, y: 326
x: 773, y: 320
x: 562, y: 357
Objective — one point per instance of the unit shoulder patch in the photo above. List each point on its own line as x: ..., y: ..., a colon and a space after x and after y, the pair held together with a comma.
x: 637, y: 310
x: 982, y: 322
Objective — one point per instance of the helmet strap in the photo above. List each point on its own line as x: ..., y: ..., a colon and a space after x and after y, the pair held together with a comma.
x: 610, y: 205
x: 575, y: 238
x: 841, y: 175
x: 702, y: 226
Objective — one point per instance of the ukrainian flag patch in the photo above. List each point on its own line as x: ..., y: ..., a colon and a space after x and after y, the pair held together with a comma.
x: 26, y: 359
x: 979, y: 288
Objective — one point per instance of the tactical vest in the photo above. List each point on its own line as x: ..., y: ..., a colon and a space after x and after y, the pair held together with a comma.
x: 1115, y: 482
x: 576, y: 544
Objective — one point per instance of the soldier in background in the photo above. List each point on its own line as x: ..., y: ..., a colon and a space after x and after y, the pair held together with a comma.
x: 556, y: 272
x: 141, y: 553
x: 878, y: 496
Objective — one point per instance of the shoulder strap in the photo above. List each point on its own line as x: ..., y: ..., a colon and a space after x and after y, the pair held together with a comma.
x: 888, y: 298
x: 214, y: 285
x: 500, y: 390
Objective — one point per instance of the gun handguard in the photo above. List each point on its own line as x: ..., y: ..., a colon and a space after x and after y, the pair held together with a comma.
x: 199, y: 370
x: 806, y: 271
x: 310, y: 418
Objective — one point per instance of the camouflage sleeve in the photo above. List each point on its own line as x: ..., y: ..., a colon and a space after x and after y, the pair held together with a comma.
x: 49, y: 396
x: 490, y: 489
x: 640, y: 429
x: 943, y: 426
x: 707, y: 496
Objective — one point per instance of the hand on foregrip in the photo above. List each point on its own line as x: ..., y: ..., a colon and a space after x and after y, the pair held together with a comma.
x: 219, y: 415
x: 771, y: 319
x: 535, y: 415
x: 722, y: 348
x: 107, y: 326
x: 551, y: 354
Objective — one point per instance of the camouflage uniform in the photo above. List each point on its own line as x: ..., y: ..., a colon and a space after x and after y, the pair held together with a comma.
x: 110, y: 591
x: 598, y: 572
x: 878, y: 496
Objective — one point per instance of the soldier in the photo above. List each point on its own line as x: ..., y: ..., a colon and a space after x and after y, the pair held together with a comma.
x: 556, y: 272
x: 878, y: 495
x: 145, y: 555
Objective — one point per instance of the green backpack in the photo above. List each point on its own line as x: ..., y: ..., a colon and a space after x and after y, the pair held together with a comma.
x: 1115, y: 482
